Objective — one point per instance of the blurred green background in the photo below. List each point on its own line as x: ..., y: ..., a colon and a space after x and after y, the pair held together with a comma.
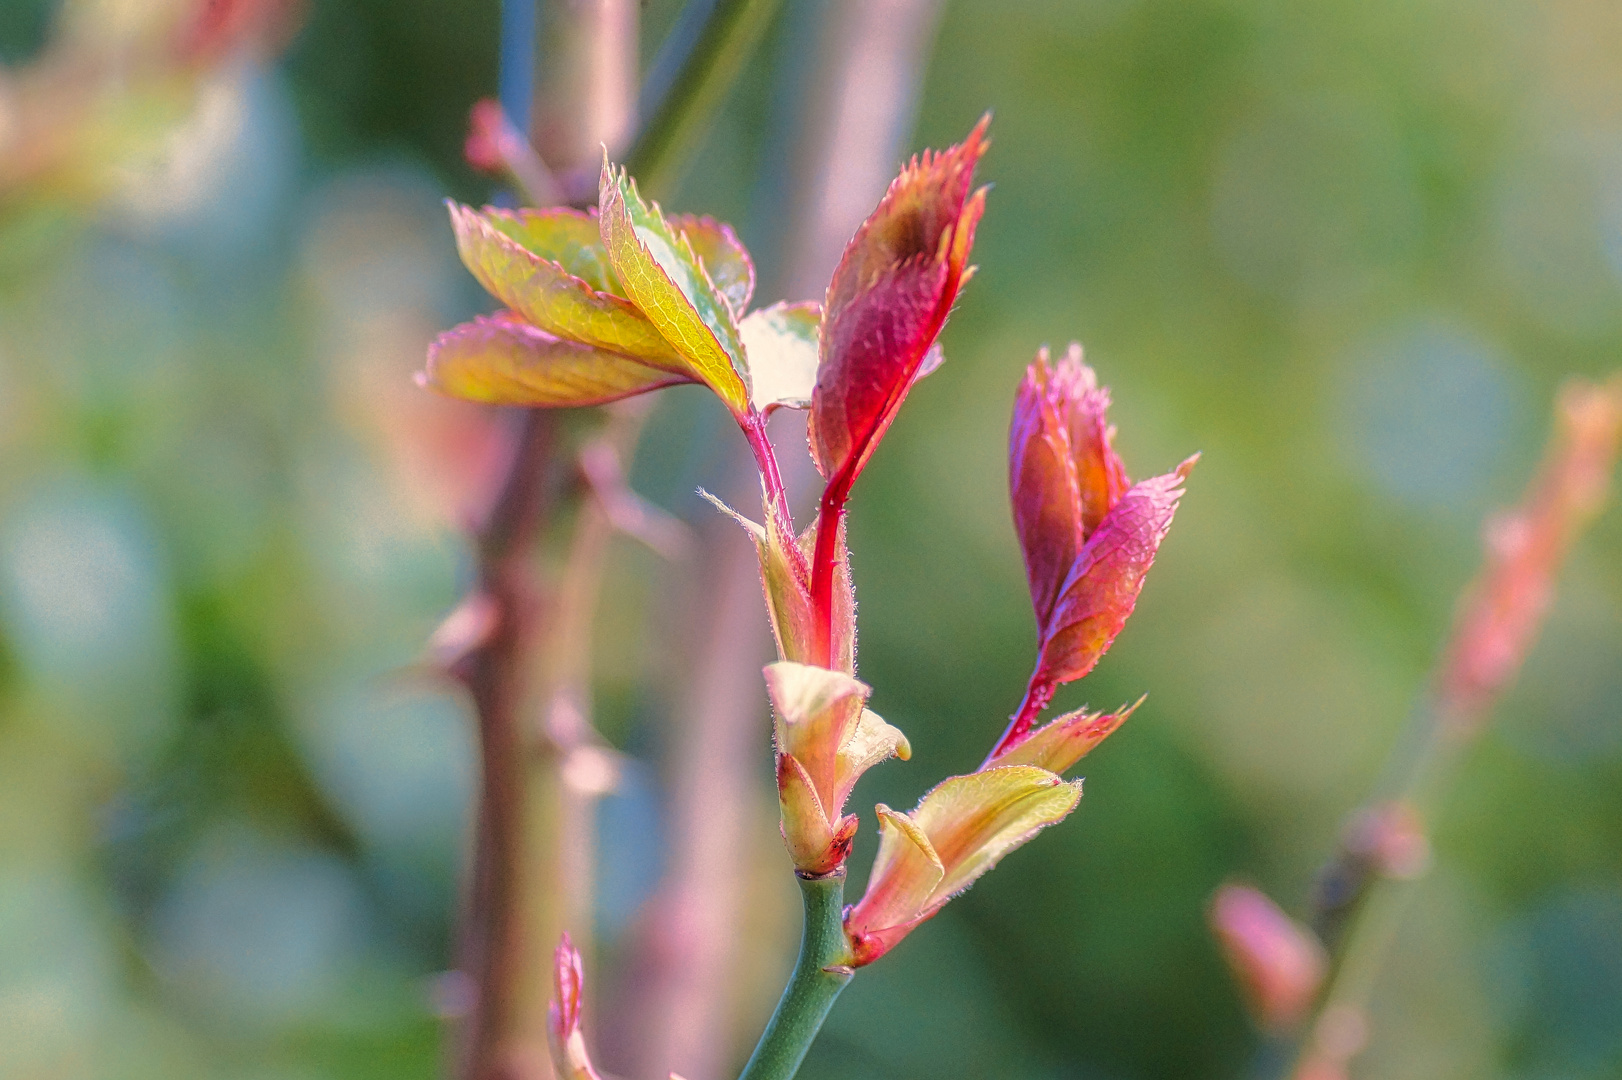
x: 1347, y: 250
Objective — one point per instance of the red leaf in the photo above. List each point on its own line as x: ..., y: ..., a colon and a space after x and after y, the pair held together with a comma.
x: 1102, y: 587
x: 1063, y: 474
x: 889, y: 297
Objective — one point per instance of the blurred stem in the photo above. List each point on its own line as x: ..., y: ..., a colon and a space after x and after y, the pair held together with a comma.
x: 530, y: 828
x: 570, y: 767
x: 821, y: 972
x: 697, y: 66
x: 517, y: 72
x: 1367, y: 887
x: 496, y: 677
x: 1360, y: 936
x: 588, y: 97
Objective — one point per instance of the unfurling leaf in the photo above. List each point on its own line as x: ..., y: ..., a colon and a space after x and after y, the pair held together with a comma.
x: 841, y: 599
x: 958, y: 832
x: 1102, y: 587
x: 1063, y: 473
x: 781, y: 344
x: 816, y: 711
x: 889, y: 297
x: 662, y: 275
x: 548, y: 295
x: 807, y: 832
x: 503, y: 360
x: 900, y: 888
x: 784, y: 578
x: 974, y: 820
x: 825, y: 740
x: 1063, y: 741
x: 1088, y: 535
x: 869, y: 742
x: 788, y: 602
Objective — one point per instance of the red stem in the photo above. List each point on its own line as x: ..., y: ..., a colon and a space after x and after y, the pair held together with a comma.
x: 754, y: 429
x: 824, y: 564
x: 1037, y: 696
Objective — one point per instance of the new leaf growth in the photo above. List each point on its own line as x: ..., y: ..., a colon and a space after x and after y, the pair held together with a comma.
x: 1089, y: 535
x: 604, y: 305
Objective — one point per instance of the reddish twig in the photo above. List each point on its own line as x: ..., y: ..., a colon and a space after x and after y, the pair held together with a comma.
x: 498, y: 675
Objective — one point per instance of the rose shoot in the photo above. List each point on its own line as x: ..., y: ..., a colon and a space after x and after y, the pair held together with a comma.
x: 626, y: 300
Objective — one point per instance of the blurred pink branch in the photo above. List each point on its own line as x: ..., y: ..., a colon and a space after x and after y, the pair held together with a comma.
x: 1363, y: 893
x: 1525, y: 548
x: 542, y: 764
x: 494, y: 146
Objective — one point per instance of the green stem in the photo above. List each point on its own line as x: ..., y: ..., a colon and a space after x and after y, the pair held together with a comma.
x: 820, y: 974
x: 710, y: 49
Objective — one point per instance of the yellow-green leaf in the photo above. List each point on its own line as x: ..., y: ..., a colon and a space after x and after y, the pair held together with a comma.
x: 562, y: 235
x: 958, y: 832
x: 662, y: 276
x: 788, y: 594
x: 725, y: 259
x: 973, y: 821
x: 780, y: 346
x: 504, y: 361
x: 871, y: 741
x: 905, y: 872
x: 548, y: 296
x: 816, y: 710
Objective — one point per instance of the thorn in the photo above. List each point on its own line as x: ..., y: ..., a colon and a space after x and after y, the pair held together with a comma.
x: 664, y: 535
x: 469, y: 626
x: 591, y: 770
